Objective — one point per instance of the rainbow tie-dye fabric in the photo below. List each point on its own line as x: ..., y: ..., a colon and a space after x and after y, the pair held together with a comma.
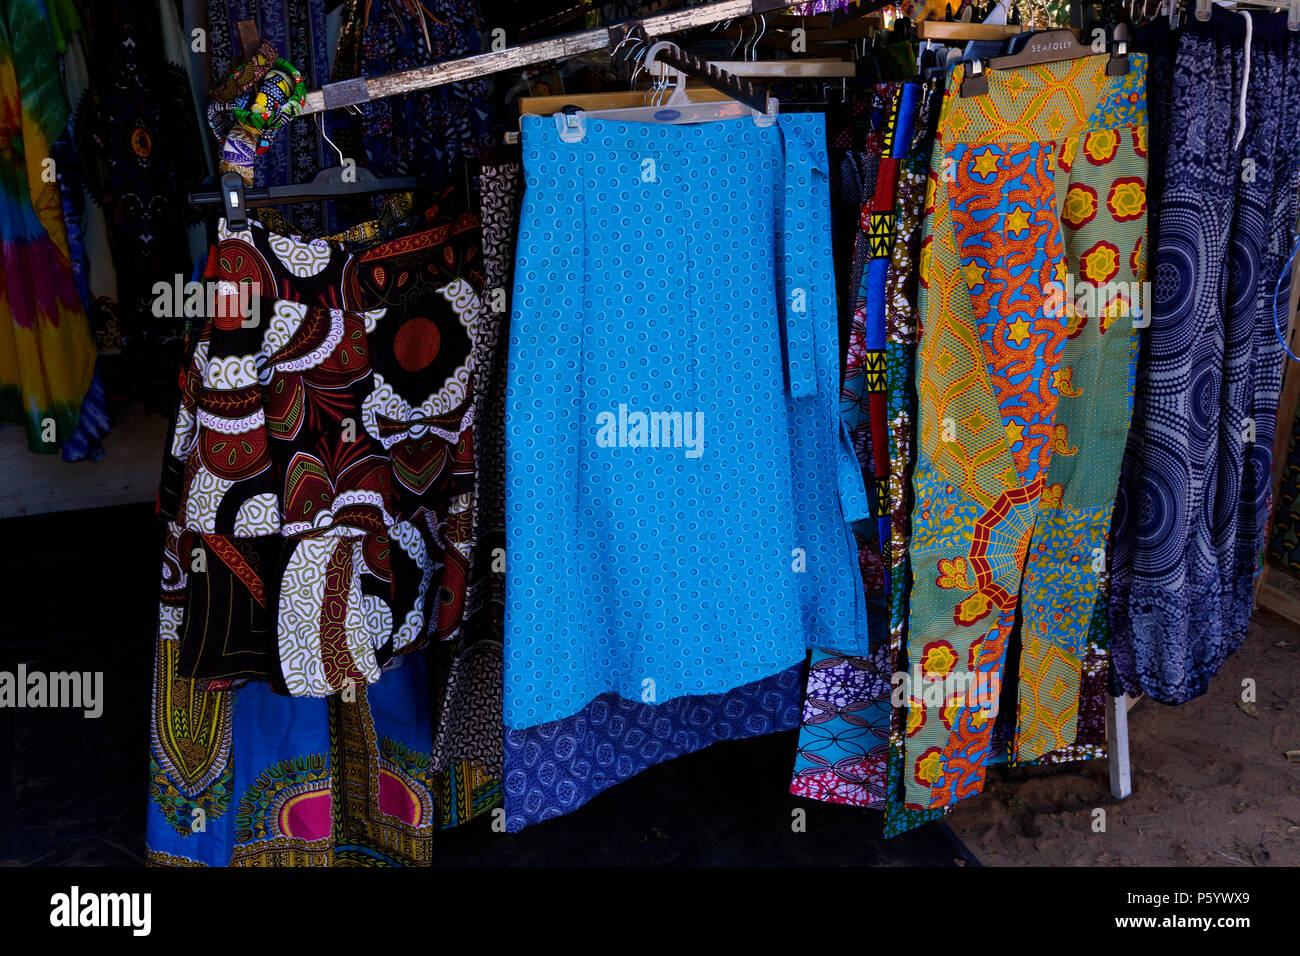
x: 47, y: 351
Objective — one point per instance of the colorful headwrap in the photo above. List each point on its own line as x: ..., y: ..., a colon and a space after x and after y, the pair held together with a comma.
x: 259, y: 97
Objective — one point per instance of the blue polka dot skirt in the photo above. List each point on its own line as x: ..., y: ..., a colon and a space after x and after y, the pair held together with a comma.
x: 679, y: 487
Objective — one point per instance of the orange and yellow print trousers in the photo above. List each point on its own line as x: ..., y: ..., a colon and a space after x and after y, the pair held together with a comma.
x: 1033, y: 273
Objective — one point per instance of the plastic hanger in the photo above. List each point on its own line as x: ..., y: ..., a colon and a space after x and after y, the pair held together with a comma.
x: 674, y: 109
x: 1047, y: 46
x: 346, y: 179
x: 743, y: 100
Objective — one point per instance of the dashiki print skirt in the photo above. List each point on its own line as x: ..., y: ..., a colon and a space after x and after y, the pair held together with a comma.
x: 318, y: 489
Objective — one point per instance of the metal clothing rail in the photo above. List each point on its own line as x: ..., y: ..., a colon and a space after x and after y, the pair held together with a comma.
x: 363, y: 89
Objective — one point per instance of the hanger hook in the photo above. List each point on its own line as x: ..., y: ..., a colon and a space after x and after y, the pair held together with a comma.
x: 660, y: 82
x: 638, y: 58
x: 657, y: 79
x: 631, y: 37
x: 321, y: 129
x: 651, y: 56
x: 635, y: 59
x: 671, y: 80
x: 762, y: 19
x: 735, y: 47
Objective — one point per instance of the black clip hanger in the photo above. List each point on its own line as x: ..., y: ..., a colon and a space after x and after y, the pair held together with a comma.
x: 346, y: 179
x: 335, y: 182
x: 1118, y: 64
x: 1047, y: 46
x: 233, y: 200
x: 975, y: 82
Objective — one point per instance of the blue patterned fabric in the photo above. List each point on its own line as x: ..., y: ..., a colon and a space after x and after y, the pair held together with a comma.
x: 555, y: 768
x: 679, y: 567
x: 86, y: 443
x: 248, y: 777
x: 427, y: 132
x: 1194, y: 493
x: 844, y: 739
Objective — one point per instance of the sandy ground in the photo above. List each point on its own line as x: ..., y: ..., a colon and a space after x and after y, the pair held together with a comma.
x: 1212, y: 784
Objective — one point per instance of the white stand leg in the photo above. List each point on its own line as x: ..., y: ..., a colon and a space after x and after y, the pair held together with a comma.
x: 1121, y: 778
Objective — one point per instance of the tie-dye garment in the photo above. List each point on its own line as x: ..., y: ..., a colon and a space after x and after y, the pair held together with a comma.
x: 47, y: 351
x: 1031, y: 269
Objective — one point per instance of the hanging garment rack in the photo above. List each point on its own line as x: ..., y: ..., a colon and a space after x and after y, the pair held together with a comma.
x: 365, y: 89
x: 353, y: 92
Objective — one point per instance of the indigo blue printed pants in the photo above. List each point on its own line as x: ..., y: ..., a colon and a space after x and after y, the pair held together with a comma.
x: 1194, y: 493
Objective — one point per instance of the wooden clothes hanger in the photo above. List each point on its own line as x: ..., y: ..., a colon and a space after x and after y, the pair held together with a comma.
x: 962, y: 31
x: 812, y: 68
x: 740, y: 98
x: 733, y: 97
x: 715, y: 82
x: 818, y: 68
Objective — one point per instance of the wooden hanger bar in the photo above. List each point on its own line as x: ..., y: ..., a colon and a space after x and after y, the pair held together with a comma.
x: 824, y: 67
x: 363, y: 89
x: 616, y: 100
x: 943, y: 30
x: 854, y: 29
x: 850, y: 30
x: 783, y: 39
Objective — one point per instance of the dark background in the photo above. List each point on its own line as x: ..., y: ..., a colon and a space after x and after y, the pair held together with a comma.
x: 78, y: 590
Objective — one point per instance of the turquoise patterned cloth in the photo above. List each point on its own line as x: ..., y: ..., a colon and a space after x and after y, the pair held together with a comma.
x: 679, y: 485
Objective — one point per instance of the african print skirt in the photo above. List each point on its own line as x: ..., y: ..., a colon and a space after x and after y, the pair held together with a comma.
x: 1032, y: 271
x: 319, y: 490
